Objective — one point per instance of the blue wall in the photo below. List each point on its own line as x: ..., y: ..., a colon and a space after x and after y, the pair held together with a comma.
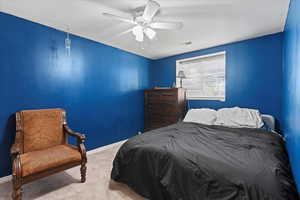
x: 253, y: 74
x: 101, y: 87
x: 291, y: 87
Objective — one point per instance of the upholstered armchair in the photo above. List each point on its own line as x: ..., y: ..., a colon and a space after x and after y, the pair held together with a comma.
x: 41, y: 147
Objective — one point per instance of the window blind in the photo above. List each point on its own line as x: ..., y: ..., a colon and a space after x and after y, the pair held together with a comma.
x: 205, y: 76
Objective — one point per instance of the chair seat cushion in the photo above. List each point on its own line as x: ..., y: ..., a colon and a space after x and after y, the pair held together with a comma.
x: 38, y: 161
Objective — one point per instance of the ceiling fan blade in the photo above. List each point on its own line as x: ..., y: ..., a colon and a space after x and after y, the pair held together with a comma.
x: 150, y: 10
x: 150, y: 33
x: 114, y: 38
x: 121, y: 34
x: 138, y: 33
x: 124, y: 19
x: 166, y: 25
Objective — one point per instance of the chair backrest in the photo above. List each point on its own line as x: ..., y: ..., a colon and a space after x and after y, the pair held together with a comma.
x: 41, y: 129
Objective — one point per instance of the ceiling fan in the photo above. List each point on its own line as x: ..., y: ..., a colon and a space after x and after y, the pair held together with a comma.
x: 144, y: 24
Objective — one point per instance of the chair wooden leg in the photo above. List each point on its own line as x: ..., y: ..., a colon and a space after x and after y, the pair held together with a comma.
x: 83, y: 172
x: 17, y: 190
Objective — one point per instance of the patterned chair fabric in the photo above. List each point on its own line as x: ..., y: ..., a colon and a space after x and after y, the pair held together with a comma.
x: 42, y: 129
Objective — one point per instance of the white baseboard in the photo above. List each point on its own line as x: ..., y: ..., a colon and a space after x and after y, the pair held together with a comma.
x: 97, y: 150
x: 5, y: 179
x: 105, y: 147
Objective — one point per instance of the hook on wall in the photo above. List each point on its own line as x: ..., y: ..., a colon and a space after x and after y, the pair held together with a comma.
x: 68, y: 42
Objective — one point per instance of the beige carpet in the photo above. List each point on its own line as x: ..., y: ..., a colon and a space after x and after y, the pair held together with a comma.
x: 66, y: 185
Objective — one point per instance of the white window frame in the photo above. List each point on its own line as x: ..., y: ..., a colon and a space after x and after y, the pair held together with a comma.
x: 199, y: 58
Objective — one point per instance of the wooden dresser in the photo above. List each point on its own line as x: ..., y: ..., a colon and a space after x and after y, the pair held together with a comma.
x: 164, y: 107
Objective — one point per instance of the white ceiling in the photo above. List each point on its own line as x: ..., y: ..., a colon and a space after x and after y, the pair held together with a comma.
x: 207, y: 23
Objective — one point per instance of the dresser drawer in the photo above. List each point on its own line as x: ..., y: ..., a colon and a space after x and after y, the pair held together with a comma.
x: 162, y: 97
x: 162, y: 108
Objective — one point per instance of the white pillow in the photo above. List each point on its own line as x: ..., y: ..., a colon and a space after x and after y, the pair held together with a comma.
x: 201, y: 116
x: 239, y: 118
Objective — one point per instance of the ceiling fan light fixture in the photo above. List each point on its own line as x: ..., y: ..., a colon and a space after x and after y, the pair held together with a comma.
x: 139, y: 38
x: 150, y: 33
x: 137, y: 30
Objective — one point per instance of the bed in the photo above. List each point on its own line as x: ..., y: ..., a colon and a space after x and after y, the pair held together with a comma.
x: 192, y: 161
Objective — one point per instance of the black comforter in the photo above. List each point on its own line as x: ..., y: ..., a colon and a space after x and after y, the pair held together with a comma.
x: 188, y: 161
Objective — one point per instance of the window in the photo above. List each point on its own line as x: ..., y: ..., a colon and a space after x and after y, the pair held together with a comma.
x: 204, y: 76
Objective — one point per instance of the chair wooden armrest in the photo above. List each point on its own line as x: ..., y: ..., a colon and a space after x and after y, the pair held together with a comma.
x: 69, y: 131
x: 15, y: 150
x: 80, y: 141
